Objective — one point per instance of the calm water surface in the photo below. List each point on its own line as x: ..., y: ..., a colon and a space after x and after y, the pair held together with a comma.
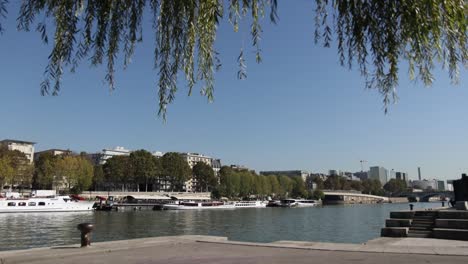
x: 349, y: 224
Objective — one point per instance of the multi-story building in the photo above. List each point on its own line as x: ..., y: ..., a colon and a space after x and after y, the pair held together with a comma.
x: 192, y: 159
x: 440, y: 185
x: 363, y: 175
x: 378, y: 173
x: 54, y: 152
x: 101, y: 157
x: 238, y: 167
x: 401, y: 176
x: 25, y: 147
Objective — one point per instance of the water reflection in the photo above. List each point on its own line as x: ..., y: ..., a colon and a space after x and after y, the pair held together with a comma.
x: 352, y: 224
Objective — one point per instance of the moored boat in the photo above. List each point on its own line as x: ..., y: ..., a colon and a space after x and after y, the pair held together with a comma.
x: 250, y: 204
x: 298, y: 203
x: 197, y: 205
x: 43, y: 204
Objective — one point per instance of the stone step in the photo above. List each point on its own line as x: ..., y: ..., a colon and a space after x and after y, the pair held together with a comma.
x: 422, y: 224
x: 398, y: 222
x: 420, y: 228
x: 452, y: 223
x: 423, y: 217
x: 416, y: 235
x: 445, y: 233
x: 394, y: 232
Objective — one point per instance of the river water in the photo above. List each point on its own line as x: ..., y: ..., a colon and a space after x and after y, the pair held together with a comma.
x: 339, y: 223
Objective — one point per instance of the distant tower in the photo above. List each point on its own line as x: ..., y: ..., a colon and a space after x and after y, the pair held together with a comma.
x: 419, y: 173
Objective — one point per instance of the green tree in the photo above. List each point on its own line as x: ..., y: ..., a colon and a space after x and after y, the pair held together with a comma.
x: 286, y: 185
x: 246, y: 183
x: 44, y: 172
x: 356, y: 185
x: 376, y: 35
x: 275, y: 185
x: 372, y: 186
x: 145, y: 168
x: 299, y: 190
x: 204, y: 177
x: 7, y: 171
x: 175, y: 170
x: 15, y: 169
x: 333, y: 182
x: 318, y: 194
x: 395, y: 186
x: 98, y: 177
x: 75, y: 172
x: 117, y: 171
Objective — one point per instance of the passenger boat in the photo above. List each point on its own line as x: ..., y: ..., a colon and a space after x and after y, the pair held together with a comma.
x: 298, y: 203
x: 197, y: 205
x: 250, y: 204
x: 45, y: 204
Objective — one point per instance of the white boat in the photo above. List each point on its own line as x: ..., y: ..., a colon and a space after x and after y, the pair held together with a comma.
x: 250, y: 204
x: 45, y: 204
x: 197, y: 206
x: 298, y: 203
x: 307, y: 203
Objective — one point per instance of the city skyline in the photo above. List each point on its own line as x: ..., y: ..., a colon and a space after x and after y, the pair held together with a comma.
x: 390, y: 173
x: 298, y: 109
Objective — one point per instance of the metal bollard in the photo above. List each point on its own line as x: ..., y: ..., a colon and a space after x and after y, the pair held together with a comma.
x: 85, y: 229
x: 411, y: 207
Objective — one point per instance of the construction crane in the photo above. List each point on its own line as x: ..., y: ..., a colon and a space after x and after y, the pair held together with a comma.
x: 362, y: 166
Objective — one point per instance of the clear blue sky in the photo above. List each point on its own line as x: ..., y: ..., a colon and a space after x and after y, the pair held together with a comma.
x: 297, y: 110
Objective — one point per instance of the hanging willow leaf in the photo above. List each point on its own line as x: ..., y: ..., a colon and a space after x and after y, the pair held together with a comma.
x: 3, y: 12
x: 376, y: 35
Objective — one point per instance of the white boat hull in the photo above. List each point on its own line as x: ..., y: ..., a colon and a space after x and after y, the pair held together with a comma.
x: 36, y: 205
x: 250, y: 204
x: 183, y: 207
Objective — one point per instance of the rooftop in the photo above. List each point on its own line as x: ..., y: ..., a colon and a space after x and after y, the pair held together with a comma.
x: 17, y: 141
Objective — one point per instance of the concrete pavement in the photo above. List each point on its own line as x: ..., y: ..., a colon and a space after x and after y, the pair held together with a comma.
x: 206, y: 249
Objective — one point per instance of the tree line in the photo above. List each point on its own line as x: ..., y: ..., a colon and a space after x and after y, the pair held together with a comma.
x: 234, y: 183
x: 142, y: 171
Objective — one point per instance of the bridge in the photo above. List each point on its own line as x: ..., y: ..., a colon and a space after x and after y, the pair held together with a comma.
x: 425, y: 196
x: 343, y: 197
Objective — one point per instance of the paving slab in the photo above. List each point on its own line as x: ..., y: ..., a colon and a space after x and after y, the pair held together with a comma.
x: 206, y: 249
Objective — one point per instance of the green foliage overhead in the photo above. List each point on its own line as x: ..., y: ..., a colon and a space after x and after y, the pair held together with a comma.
x: 378, y: 35
x: 374, y: 34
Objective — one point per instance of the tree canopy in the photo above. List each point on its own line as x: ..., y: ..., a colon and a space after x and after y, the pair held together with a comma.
x: 374, y: 34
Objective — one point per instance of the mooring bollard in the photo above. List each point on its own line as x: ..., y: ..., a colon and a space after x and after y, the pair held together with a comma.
x: 411, y: 207
x: 85, y: 229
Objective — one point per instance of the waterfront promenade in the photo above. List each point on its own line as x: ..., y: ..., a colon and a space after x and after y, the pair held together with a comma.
x: 208, y: 249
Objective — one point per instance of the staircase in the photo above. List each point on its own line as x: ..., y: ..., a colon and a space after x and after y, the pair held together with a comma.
x: 422, y: 224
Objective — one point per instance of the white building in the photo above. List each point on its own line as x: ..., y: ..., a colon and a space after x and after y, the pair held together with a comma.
x: 192, y: 159
x: 25, y: 147
x: 102, y: 157
x: 54, y: 152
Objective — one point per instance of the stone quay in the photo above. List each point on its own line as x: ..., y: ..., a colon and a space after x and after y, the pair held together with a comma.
x: 219, y: 250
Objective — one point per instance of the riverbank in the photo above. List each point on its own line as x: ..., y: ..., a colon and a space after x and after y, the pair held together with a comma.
x: 209, y: 249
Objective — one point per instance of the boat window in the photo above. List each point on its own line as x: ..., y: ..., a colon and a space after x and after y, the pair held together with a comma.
x: 22, y: 204
x: 31, y: 204
x: 41, y: 203
x: 11, y: 204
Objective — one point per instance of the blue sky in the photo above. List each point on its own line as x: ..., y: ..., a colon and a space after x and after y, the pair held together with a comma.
x: 297, y: 110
